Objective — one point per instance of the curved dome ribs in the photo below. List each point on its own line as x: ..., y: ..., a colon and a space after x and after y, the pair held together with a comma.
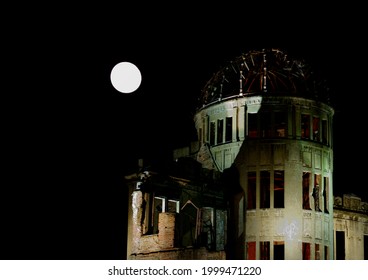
x: 263, y: 72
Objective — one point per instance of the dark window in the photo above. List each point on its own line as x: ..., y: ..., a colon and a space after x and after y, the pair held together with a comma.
x: 252, y: 126
x: 324, y: 132
x: 316, y: 192
x: 264, y: 248
x: 280, y: 124
x: 293, y: 121
x: 265, y: 189
x: 220, y: 131
x: 278, y: 189
x: 229, y: 129
x: 327, y: 255
x: 251, y: 196
x: 306, y: 251
x: 365, y: 247
x: 316, y: 129
x: 173, y: 206
x: 325, y: 193
x: 340, y: 245
x: 305, y: 126
x: 212, y: 133
x: 278, y: 250
x: 266, y: 127
x: 306, y: 179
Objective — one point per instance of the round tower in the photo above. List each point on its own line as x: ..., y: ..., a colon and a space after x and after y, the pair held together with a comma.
x: 268, y: 116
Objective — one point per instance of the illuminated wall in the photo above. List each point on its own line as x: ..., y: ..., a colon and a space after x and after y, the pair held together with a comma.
x: 350, y: 228
x: 281, y: 147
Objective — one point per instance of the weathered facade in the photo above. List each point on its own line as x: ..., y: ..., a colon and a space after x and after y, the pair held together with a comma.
x: 258, y: 185
x: 174, y: 217
x: 350, y: 228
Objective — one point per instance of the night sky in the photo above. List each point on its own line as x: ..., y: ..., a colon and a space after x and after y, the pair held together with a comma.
x: 71, y: 137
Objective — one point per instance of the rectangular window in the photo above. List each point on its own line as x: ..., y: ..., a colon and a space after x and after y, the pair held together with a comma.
x: 306, y: 251
x: 278, y: 250
x: 229, y: 129
x: 266, y: 128
x: 365, y: 247
x: 265, y: 189
x: 251, y: 250
x: 173, y: 206
x: 306, y: 179
x: 159, y: 206
x: 251, y: 193
x: 252, y: 125
x: 264, y: 249
x: 324, y: 132
x: 326, y: 194
x: 280, y: 124
x: 326, y: 253
x: 316, y: 252
x: 316, y: 192
x: 220, y: 131
x: 293, y: 121
x: 316, y: 129
x: 212, y: 133
x: 340, y: 245
x: 278, y: 189
x: 305, y: 126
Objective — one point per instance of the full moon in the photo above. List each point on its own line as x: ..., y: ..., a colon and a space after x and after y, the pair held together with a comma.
x: 125, y: 77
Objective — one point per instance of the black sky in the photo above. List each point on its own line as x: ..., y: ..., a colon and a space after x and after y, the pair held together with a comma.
x: 71, y: 136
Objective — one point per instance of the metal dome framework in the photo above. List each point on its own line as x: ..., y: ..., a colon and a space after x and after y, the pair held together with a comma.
x: 265, y: 72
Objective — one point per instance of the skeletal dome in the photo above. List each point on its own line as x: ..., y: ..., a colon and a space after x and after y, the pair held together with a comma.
x: 264, y: 72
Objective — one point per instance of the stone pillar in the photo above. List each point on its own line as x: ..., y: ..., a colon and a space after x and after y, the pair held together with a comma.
x: 137, y: 200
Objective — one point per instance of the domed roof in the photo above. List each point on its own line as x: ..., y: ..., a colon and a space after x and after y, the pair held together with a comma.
x: 265, y: 72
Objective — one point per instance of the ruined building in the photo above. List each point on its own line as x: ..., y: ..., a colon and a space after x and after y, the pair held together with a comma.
x: 258, y: 182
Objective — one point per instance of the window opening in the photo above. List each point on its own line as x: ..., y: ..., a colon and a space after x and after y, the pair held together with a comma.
x: 316, y: 252
x: 306, y: 179
x: 265, y: 189
x: 251, y: 250
x: 316, y: 129
x: 305, y: 126
x: 229, y: 129
x: 266, y: 128
x: 280, y: 124
x: 220, y: 131
x: 340, y: 245
x: 252, y: 126
x: 306, y: 251
x: 278, y: 189
x: 278, y: 250
x: 264, y: 248
x: 212, y: 133
x: 324, y: 132
x: 316, y: 192
x: 251, y: 193
x: 325, y: 193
